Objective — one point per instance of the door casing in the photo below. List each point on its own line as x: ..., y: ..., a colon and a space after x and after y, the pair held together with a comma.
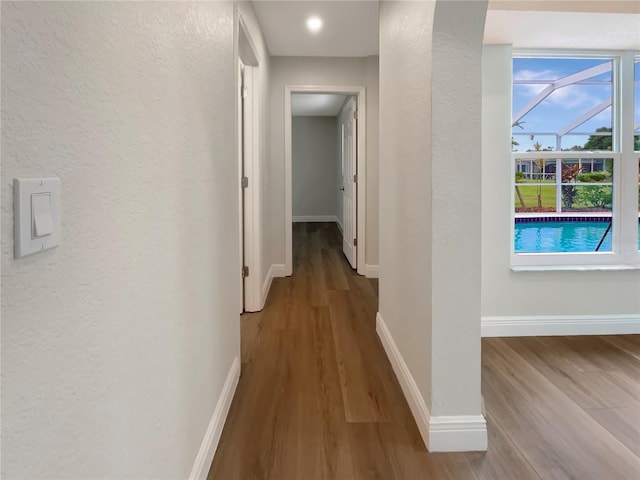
x: 249, y: 166
x: 359, y: 92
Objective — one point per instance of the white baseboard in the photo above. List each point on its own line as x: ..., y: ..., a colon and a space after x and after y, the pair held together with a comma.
x: 408, y: 384
x: 315, y: 218
x: 266, y: 286
x: 340, y: 227
x: 211, y: 438
x: 275, y: 270
x: 279, y: 270
x: 548, y: 325
x: 439, y: 434
x: 371, y: 271
x: 459, y: 433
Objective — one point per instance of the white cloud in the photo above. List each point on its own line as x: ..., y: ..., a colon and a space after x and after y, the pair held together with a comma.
x: 535, y: 88
x: 603, y: 116
x: 568, y: 97
x: 572, y: 97
x: 535, y: 75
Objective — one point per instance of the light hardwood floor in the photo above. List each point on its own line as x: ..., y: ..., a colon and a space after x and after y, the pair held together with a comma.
x: 318, y: 399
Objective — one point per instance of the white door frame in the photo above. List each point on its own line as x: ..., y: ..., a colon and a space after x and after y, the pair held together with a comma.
x: 359, y: 93
x: 239, y: 155
x: 251, y: 240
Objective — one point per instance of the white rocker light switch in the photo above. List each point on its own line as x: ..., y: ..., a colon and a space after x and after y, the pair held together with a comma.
x: 36, y: 214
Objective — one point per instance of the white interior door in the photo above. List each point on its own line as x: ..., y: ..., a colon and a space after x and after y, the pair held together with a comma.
x: 250, y: 185
x: 240, y: 175
x: 349, y: 194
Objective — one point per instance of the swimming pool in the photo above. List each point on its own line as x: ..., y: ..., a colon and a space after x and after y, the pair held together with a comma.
x: 553, y: 237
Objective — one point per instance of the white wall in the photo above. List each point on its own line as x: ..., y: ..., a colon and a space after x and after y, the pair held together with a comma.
x: 511, y: 294
x: 313, y: 166
x: 317, y: 71
x: 116, y: 344
x: 456, y: 194
x: 429, y: 317
x: 405, y: 186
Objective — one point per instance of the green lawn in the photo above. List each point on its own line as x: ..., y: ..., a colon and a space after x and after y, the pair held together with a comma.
x: 548, y: 195
x: 530, y: 195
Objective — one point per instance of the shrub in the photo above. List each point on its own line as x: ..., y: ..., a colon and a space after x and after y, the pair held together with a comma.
x: 600, y: 197
x: 592, y: 177
x: 519, y: 177
x: 569, y: 192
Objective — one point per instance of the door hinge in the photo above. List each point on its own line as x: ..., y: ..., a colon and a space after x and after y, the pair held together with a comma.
x: 245, y: 92
x: 355, y: 114
x: 245, y: 182
x: 355, y: 242
x: 355, y: 178
x: 245, y: 271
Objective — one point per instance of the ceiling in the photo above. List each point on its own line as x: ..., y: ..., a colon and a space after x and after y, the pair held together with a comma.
x: 316, y: 104
x: 351, y: 27
x: 569, y: 30
x: 602, y: 6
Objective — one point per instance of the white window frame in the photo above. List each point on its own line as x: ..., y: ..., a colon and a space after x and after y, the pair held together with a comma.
x: 624, y: 253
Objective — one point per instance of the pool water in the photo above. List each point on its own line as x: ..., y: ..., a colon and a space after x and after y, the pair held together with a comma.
x: 550, y: 237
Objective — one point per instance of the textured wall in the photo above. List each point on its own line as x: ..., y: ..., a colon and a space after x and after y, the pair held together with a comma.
x: 313, y: 166
x: 456, y: 209
x: 430, y: 196
x: 115, y: 345
x: 311, y: 71
x: 507, y: 293
x: 405, y: 186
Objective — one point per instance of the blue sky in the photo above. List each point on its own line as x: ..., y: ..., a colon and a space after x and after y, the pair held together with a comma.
x: 565, y: 105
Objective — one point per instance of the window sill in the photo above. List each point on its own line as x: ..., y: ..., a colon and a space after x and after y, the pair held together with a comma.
x: 572, y: 268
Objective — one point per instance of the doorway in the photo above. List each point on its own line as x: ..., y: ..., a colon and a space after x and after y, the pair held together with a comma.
x: 352, y: 168
x: 248, y: 106
x: 324, y: 134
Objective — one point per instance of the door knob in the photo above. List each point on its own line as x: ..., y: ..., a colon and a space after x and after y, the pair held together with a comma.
x: 342, y: 188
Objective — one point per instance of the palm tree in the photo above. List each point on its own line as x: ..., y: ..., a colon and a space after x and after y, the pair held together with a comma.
x: 539, y: 162
x: 515, y: 144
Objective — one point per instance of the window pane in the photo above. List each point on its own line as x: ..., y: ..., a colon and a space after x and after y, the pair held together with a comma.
x: 570, y: 212
x: 593, y: 198
x: 562, y: 104
x: 535, y: 198
x: 587, y: 185
x: 563, y: 236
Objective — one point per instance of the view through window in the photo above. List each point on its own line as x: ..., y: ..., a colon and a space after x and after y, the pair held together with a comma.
x: 567, y: 153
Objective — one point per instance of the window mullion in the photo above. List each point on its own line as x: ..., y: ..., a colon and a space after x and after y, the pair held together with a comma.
x: 628, y: 171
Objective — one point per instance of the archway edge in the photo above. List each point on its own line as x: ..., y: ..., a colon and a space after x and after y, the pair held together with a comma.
x: 456, y: 92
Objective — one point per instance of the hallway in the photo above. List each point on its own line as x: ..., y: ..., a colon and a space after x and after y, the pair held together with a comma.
x: 318, y: 399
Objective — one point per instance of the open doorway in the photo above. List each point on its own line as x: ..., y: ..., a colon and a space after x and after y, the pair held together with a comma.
x: 324, y: 185
x: 324, y: 137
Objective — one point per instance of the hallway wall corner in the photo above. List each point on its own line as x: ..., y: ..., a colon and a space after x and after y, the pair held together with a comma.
x: 211, y: 438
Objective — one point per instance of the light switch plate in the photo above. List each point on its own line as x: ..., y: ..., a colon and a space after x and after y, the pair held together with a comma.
x: 26, y: 240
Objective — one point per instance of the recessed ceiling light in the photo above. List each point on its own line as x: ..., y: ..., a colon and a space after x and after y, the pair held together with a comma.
x: 314, y: 24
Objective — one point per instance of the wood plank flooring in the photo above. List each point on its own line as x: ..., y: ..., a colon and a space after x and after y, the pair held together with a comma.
x: 318, y: 399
